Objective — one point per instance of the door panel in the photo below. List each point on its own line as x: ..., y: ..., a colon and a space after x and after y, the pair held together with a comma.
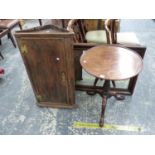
x: 46, y: 68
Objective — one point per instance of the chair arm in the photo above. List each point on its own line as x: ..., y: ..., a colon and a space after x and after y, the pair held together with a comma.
x: 71, y: 24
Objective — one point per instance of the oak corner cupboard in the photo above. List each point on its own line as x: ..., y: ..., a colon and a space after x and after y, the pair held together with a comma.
x: 47, y: 52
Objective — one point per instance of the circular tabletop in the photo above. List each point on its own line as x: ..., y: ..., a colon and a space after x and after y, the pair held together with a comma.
x: 111, y: 62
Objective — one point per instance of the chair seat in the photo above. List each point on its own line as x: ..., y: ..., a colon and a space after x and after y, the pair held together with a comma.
x: 8, y: 23
x: 99, y: 36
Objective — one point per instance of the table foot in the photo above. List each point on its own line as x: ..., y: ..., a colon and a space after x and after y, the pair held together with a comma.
x: 101, y: 123
x: 119, y: 97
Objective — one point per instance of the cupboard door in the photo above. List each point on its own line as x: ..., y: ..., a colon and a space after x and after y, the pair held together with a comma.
x: 44, y: 60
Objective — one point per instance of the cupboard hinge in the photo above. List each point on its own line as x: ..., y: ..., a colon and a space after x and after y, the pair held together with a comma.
x: 24, y: 49
x: 39, y: 98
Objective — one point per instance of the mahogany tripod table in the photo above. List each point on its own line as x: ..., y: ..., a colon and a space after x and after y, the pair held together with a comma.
x: 110, y: 63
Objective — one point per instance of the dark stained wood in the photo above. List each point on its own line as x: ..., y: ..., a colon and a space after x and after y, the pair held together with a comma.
x: 78, y: 67
x: 111, y: 62
x: 48, y: 56
x: 112, y: 36
x: 80, y: 47
x: 78, y: 28
x: 78, y: 50
x: 141, y: 51
x: 99, y: 89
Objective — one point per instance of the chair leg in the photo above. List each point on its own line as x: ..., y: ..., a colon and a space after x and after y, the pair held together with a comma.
x: 104, y: 102
x: 8, y: 35
x: 20, y: 25
x: 0, y: 52
x: 114, y: 84
x: 40, y: 22
x: 12, y: 39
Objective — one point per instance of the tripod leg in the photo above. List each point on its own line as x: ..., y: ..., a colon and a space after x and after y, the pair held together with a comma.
x: 104, y: 102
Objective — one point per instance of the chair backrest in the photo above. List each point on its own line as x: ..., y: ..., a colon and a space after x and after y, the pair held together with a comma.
x: 115, y: 38
x: 77, y: 26
x: 81, y: 26
x: 94, y: 24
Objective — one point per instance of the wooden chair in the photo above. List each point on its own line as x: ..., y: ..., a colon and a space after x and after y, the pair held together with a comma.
x: 4, y: 32
x: 10, y: 24
x: 100, y: 35
x: 90, y: 30
x: 77, y: 26
x: 97, y: 33
x: 115, y: 37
